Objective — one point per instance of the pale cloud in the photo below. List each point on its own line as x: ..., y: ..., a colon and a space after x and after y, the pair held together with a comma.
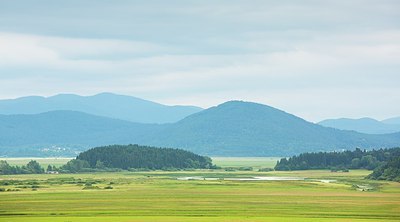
x: 317, y: 59
x: 19, y: 50
x: 33, y: 49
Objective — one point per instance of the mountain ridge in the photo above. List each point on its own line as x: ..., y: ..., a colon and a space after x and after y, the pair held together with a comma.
x: 234, y: 128
x: 271, y: 127
x: 393, y: 120
x: 363, y: 125
x: 103, y: 104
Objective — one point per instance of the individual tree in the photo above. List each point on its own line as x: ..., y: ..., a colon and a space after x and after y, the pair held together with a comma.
x: 100, y: 165
x: 34, y: 167
x: 74, y: 166
x: 5, y: 168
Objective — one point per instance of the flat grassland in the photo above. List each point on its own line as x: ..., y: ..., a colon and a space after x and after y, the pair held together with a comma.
x: 42, y: 160
x: 255, y: 162
x: 159, y: 196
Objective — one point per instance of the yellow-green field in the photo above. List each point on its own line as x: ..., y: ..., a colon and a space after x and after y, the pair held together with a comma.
x: 159, y: 196
x: 43, y: 161
x: 255, y: 162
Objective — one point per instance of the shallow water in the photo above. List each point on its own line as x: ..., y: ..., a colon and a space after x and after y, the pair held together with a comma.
x: 326, y: 181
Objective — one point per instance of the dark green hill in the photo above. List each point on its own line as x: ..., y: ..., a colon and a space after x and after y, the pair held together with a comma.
x: 249, y: 129
x: 135, y: 156
x: 389, y: 170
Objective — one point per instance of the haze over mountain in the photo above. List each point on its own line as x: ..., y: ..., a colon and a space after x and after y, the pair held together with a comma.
x: 364, y: 125
x: 394, y: 120
x: 103, y: 104
x: 244, y: 128
x: 231, y: 129
x: 24, y: 135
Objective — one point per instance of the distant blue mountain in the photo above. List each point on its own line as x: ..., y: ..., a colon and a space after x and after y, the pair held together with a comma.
x: 231, y: 129
x: 394, y: 120
x: 105, y: 104
x: 363, y: 125
x: 63, y: 133
x: 238, y: 128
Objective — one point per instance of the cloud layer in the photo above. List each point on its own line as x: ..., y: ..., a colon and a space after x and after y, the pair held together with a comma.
x: 316, y: 60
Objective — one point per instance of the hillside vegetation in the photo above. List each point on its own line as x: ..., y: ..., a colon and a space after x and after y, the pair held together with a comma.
x: 388, y: 171
x: 238, y: 128
x: 143, y: 157
x: 384, y: 162
x: 116, y: 158
x: 233, y: 128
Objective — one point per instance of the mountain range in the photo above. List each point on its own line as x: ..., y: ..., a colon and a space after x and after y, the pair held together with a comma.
x: 234, y: 128
x: 364, y: 125
x: 104, y: 104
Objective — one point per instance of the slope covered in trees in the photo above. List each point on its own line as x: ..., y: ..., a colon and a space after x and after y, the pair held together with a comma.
x: 233, y: 128
x: 238, y: 128
x: 389, y: 170
x: 139, y: 157
x: 357, y: 159
x: 64, y: 133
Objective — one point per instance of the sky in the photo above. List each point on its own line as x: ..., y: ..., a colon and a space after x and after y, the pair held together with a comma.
x: 315, y: 59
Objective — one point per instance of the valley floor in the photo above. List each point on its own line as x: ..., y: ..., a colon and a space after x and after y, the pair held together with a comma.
x: 159, y: 196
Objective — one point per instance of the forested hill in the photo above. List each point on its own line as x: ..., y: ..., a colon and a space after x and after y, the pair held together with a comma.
x: 388, y: 171
x: 238, y: 128
x: 139, y: 157
x: 64, y: 133
x: 234, y: 128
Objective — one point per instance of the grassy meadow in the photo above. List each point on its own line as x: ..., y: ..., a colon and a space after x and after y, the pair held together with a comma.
x: 255, y: 162
x: 44, y: 162
x: 159, y: 196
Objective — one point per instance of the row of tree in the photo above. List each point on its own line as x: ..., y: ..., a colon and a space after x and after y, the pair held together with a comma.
x: 119, y: 157
x: 384, y: 162
x: 32, y: 167
x: 387, y: 171
x: 357, y: 159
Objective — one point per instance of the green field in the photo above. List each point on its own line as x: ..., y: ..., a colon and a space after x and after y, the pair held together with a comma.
x: 159, y: 196
x: 43, y: 161
x: 255, y: 162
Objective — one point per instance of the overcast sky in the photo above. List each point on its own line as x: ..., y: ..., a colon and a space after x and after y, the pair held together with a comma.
x: 317, y: 59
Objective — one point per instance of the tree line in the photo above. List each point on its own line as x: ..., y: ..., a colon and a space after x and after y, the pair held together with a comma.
x: 119, y: 157
x: 388, y: 171
x: 384, y: 162
x: 33, y: 167
x: 142, y: 157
